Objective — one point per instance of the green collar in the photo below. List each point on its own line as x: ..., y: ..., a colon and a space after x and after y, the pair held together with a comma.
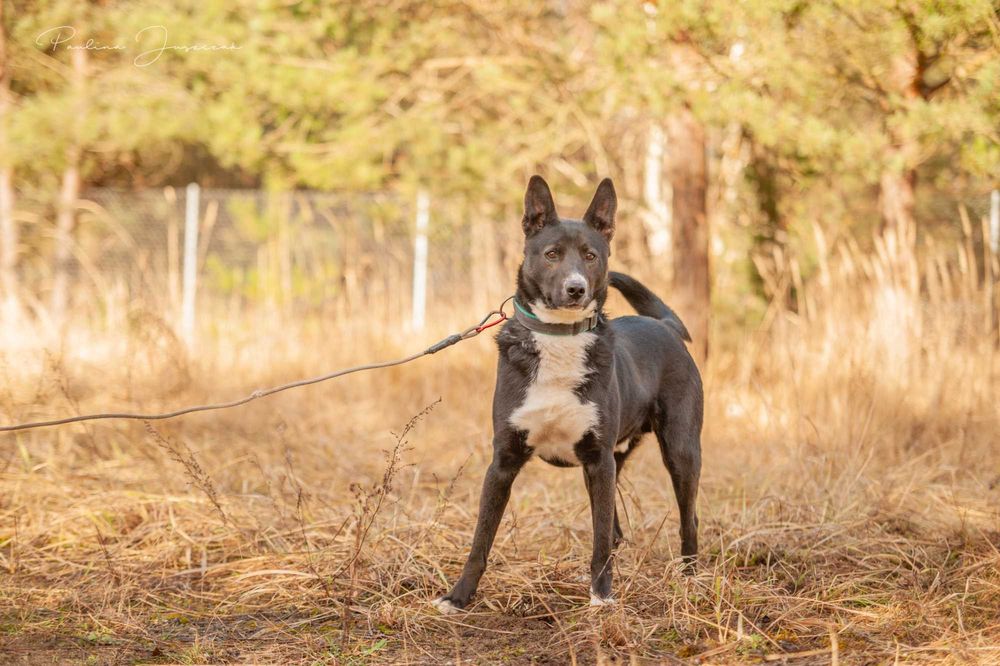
x: 531, y: 322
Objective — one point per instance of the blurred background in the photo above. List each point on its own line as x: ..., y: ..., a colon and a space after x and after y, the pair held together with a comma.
x: 284, y: 156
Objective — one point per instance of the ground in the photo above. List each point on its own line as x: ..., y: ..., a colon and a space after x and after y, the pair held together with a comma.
x: 843, y: 518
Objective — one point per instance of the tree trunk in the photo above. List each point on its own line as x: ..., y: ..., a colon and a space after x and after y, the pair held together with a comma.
x: 689, y: 181
x: 897, y: 183
x: 9, y: 241
x: 896, y: 190
x: 68, y: 195
x: 9, y: 288
x: 656, y: 213
x: 770, y: 231
x: 65, y: 224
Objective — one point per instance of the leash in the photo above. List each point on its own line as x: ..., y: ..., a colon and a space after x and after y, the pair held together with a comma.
x: 493, y: 318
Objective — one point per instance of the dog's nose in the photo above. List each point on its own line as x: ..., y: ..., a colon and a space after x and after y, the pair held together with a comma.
x: 575, y: 289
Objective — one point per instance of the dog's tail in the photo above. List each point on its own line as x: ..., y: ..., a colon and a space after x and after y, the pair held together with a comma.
x: 647, y: 303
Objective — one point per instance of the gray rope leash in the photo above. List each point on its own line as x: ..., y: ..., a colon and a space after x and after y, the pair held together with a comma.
x: 455, y: 338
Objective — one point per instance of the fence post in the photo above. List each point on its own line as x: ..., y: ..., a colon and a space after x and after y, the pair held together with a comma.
x: 993, y: 261
x: 420, y: 262
x: 190, y: 280
x: 657, y: 213
x: 995, y: 221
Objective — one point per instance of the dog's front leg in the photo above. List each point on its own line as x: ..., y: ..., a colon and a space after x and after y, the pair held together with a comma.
x: 600, y: 474
x: 496, y: 491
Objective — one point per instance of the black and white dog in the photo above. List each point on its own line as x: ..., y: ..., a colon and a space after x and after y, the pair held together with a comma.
x: 577, y: 389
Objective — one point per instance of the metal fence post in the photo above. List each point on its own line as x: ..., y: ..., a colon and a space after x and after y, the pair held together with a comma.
x: 992, y: 259
x: 420, y: 262
x: 190, y: 280
x: 657, y: 215
x: 995, y: 221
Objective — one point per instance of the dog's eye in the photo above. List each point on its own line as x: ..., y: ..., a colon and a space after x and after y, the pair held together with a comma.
x: 589, y: 256
x: 551, y: 255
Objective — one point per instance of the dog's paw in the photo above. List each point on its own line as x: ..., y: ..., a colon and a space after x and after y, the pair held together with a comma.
x: 445, y: 606
x: 596, y: 600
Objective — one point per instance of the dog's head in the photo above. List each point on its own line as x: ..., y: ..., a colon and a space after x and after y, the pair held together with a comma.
x: 564, y: 276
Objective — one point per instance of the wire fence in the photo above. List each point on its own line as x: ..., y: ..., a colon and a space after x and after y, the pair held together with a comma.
x: 338, y: 253
x: 342, y: 254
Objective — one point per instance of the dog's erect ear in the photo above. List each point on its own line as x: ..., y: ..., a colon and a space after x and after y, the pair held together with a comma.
x: 601, y: 214
x: 539, y: 209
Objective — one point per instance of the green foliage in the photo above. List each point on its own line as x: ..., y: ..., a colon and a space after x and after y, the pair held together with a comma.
x: 469, y: 99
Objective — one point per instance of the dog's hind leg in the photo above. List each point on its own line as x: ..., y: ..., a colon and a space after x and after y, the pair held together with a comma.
x: 680, y: 445
x: 496, y: 491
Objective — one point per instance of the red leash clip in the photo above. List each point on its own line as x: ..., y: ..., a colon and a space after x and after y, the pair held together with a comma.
x: 503, y: 317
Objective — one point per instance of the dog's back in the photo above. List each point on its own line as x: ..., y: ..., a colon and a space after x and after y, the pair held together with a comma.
x: 653, y: 366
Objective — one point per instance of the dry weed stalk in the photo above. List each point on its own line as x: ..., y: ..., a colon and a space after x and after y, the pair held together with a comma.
x: 115, y: 575
x: 368, y: 503
x: 196, y: 474
x: 300, y: 518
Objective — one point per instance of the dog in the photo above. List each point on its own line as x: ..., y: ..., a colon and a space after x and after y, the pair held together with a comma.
x: 578, y: 389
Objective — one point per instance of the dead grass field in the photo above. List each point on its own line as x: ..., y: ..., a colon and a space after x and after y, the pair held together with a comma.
x: 850, y: 504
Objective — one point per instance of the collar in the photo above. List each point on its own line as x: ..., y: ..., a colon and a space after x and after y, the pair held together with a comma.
x: 534, y: 324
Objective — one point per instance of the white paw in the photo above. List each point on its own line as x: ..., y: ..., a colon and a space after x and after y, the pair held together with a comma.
x: 600, y: 601
x: 445, y: 607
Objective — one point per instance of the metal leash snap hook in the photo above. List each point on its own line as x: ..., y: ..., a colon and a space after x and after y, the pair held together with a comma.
x: 483, y: 325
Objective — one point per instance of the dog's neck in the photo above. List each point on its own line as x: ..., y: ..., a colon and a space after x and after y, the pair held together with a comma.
x: 530, y: 298
x: 549, y: 315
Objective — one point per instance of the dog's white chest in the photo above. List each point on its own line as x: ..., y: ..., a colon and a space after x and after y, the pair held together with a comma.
x: 552, y: 414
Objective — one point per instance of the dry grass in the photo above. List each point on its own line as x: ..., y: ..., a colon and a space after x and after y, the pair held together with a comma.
x: 849, y: 506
